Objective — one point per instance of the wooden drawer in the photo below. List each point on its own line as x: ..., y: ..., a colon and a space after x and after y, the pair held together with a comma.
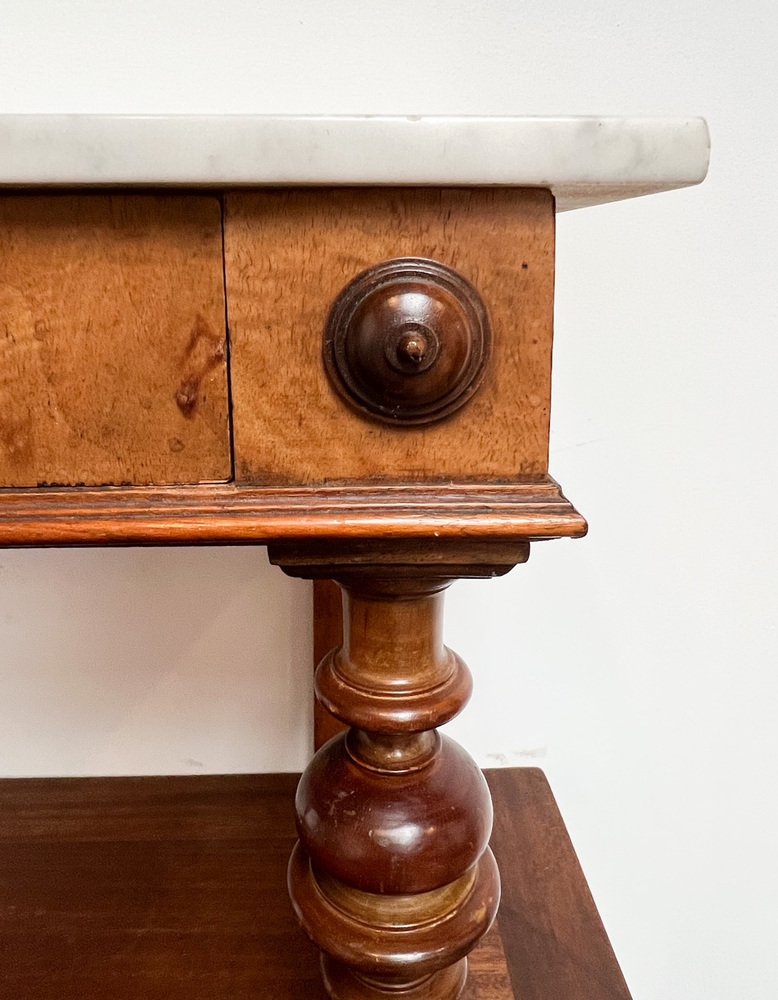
x: 290, y: 253
x: 112, y: 334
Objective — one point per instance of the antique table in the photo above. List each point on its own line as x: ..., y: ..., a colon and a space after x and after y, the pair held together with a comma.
x: 330, y: 336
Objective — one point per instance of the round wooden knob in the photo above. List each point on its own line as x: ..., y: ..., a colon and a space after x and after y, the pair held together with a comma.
x: 407, y: 341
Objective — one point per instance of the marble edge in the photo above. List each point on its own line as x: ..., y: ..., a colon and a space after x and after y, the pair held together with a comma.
x: 583, y: 160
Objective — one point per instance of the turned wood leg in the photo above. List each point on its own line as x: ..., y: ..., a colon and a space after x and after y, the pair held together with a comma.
x: 392, y: 876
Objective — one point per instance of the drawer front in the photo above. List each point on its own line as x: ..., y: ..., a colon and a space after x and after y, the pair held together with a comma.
x: 112, y: 334
x: 289, y: 255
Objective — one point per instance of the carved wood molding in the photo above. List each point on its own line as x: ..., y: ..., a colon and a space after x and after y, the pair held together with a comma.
x: 229, y: 514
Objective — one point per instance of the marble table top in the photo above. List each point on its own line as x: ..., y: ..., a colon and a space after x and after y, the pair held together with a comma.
x: 582, y: 160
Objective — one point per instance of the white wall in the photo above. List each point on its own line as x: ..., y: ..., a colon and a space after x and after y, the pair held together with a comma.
x: 638, y: 666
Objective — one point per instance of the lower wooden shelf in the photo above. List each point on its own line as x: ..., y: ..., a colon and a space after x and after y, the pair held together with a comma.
x: 171, y: 888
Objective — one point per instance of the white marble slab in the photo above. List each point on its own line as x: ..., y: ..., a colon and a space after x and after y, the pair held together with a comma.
x: 583, y: 160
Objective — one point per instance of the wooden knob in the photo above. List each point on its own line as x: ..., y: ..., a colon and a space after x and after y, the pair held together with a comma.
x: 407, y: 341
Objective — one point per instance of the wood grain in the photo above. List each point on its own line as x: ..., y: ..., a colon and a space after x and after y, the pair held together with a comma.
x: 232, y: 515
x: 174, y: 889
x: 112, y: 340
x: 290, y: 253
x: 558, y: 948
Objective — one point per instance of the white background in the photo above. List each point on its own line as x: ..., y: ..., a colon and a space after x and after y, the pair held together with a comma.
x: 637, y: 666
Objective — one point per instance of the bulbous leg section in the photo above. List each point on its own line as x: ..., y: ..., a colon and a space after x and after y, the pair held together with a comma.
x: 399, y: 832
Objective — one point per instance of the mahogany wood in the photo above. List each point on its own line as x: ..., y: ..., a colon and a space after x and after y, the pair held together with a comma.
x: 228, y: 514
x: 173, y: 889
x: 407, y: 341
x: 289, y: 255
x: 558, y: 947
x: 112, y: 340
x: 392, y: 877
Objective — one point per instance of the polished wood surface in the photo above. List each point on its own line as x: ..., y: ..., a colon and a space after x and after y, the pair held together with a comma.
x: 174, y: 889
x: 392, y: 876
x: 407, y: 342
x: 558, y: 948
x: 233, y: 515
x: 289, y: 255
x: 112, y: 340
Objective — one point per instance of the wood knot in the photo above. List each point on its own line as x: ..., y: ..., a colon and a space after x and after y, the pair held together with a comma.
x: 186, y: 397
x: 204, y: 353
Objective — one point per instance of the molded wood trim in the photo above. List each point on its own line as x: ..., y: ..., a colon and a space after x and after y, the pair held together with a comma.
x: 228, y: 514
